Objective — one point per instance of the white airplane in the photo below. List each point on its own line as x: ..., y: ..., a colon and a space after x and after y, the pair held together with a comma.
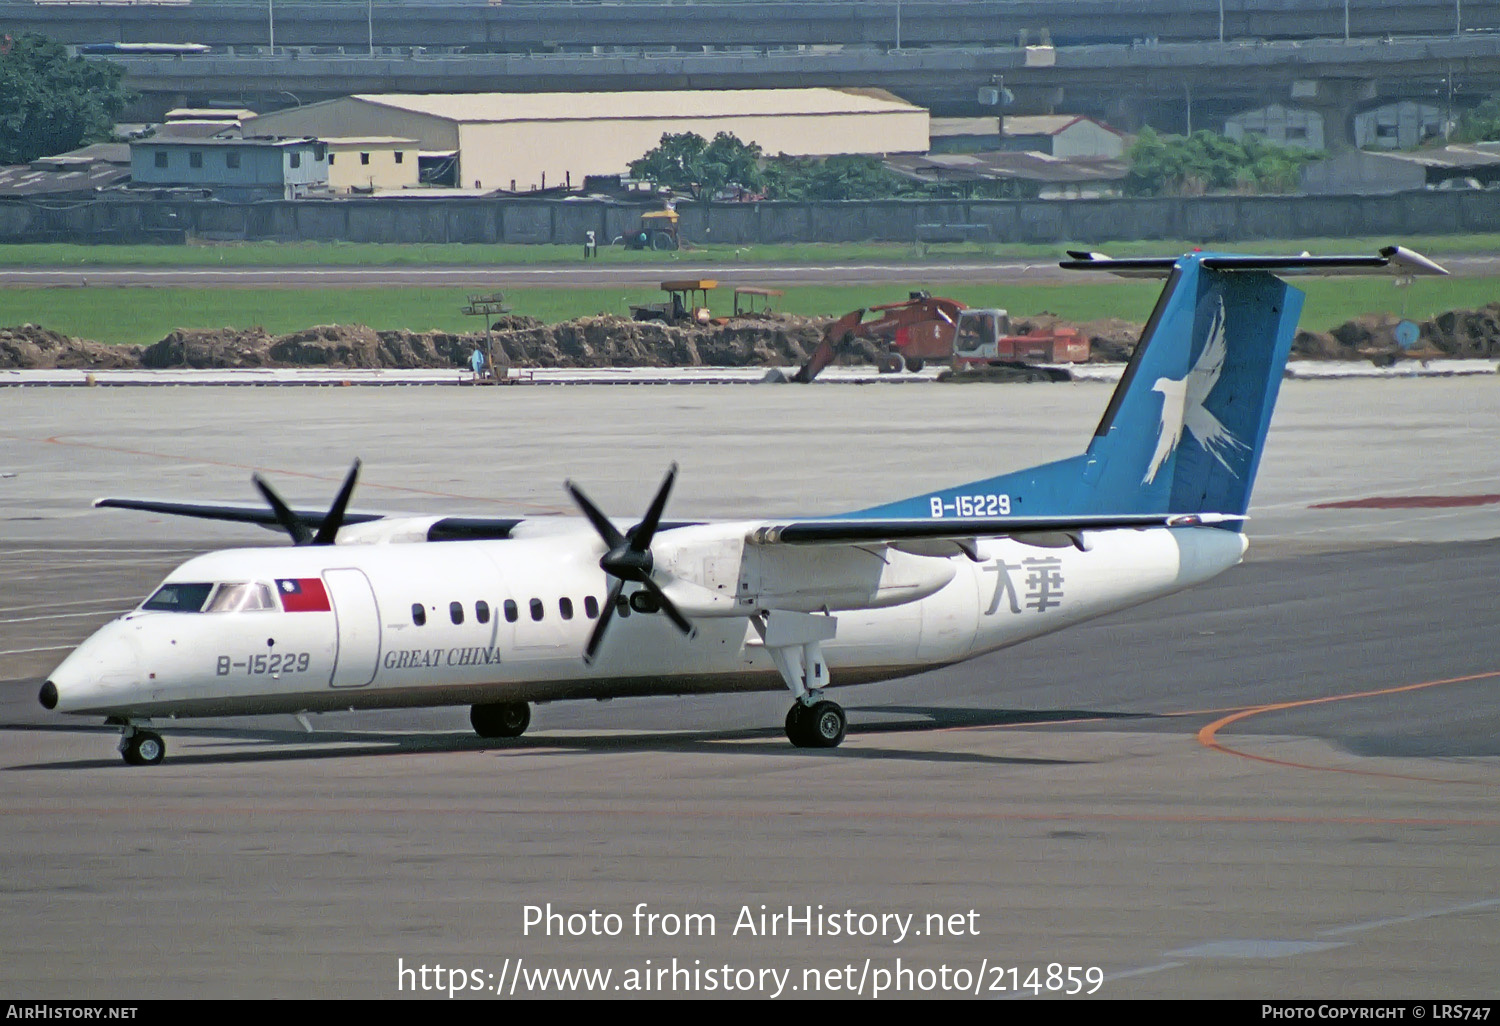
x: 372, y: 611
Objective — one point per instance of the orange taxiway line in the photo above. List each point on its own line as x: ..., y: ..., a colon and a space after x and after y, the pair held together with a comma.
x: 1208, y: 735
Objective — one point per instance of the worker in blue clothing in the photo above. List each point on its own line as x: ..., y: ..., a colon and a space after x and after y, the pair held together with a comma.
x: 477, y: 362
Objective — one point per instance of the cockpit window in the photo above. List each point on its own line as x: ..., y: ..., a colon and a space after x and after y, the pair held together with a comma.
x: 236, y: 598
x: 178, y: 598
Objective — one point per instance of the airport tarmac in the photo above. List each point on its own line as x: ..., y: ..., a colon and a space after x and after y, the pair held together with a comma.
x: 1279, y: 785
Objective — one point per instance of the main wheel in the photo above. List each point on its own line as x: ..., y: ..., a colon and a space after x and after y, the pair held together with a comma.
x: 826, y: 725
x: 663, y: 241
x: 822, y: 726
x: 503, y: 719
x: 796, y: 724
x: 143, y: 748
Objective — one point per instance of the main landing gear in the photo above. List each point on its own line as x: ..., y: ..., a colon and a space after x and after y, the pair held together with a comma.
x: 141, y: 747
x: 501, y: 719
x: 820, y: 725
x: 794, y: 642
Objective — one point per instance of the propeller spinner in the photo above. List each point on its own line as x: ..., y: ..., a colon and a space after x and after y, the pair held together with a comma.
x: 301, y: 531
x: 628, y: 559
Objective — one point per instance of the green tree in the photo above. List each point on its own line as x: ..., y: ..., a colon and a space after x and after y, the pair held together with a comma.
x: 50, y: 102
x: 674, y: 162
x: 843, y: 177
x: 1481, y: 124
x: 728, y: 163
x: 686, y: 162
x: 1208, y: 162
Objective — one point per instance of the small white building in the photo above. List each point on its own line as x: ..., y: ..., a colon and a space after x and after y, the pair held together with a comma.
x: 1404, y: 125
x: 1064, y: 136
x: 1286, y: 126
x: 371, y: 163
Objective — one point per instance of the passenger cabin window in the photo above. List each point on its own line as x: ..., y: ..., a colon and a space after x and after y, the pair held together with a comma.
x: 241, y: 598
x: 565, y: 606
x: 537, y: 609
x: 512, y: 614
x: 178, y: 598
x: 482, y: 611
x: 456, y: 612
x: 591, y: 607
x: 418, y: 614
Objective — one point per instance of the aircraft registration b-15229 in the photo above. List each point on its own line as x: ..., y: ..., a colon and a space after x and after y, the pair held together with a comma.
x: 372, y: 611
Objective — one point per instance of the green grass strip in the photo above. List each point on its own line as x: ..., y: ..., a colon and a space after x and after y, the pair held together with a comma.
x: 143, y: 315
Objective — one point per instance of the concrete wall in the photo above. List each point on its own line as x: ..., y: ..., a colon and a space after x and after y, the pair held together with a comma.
x: 1201, y: 219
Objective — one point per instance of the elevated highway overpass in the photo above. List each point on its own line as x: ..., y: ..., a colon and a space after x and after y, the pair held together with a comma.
x: 1167, y: 84
x: 550, y: 25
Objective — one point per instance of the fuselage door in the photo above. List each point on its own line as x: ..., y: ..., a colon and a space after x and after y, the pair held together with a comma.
x: 358, y: 619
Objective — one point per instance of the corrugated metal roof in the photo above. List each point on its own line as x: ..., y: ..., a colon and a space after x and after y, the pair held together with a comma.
x: 1447, y: 156
x: 366, y: 140
x: 24, y: 180
x: 254, y: 142
x: 95, y: 153
x: 496, y: 107
x: 1024, y: 165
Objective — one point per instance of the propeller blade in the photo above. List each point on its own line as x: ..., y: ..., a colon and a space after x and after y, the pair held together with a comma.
x: 329, y: 529
x: 608, y: 531
x: 640, y: 538
x: 284, y: 515
x: 604, y: 617
x: 666, y: 607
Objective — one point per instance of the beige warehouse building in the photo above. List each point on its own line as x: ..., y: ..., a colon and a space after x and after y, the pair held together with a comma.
x: 371, y: 163
x: 527, y: 141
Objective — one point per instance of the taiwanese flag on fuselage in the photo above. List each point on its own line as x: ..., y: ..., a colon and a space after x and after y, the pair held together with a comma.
x: 303, y: 595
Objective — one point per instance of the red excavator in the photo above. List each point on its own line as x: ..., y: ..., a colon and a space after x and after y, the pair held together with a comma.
x: 925, y: 327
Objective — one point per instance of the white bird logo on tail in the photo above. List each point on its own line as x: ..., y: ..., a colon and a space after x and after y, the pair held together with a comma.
x: 1182, y: 402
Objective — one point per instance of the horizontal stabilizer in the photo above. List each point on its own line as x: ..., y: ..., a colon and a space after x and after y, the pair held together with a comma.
x: 1392, y: 260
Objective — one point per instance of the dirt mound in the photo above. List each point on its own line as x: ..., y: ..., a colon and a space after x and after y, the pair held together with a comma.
x: 33, y: 348
x: 224, y: 347
x: 1465, y: 333
x: 609, y: 341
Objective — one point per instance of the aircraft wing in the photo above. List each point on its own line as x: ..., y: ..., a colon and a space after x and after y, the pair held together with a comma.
x: 442, y: 529
x: 847, y: 531
x: 1393, y: 260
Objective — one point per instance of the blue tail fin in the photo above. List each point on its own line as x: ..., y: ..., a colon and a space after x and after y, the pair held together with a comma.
x: 1184, y: 429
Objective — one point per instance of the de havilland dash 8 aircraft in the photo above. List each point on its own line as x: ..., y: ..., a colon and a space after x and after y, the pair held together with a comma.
x: 373, y: 611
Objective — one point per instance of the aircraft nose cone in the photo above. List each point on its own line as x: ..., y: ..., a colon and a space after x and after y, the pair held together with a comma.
x: 100, y: 672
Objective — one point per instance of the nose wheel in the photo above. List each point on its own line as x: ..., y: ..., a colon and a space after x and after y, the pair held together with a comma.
x: 142, y: 747
x: 821, y: 725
